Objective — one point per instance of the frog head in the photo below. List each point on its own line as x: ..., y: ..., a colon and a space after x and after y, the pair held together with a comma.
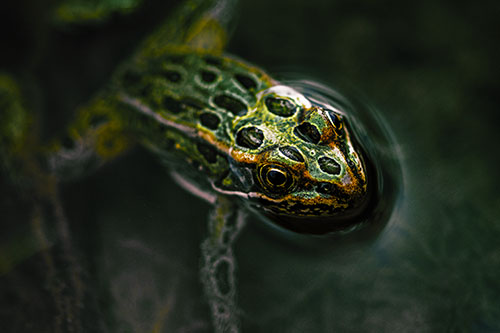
x: 307, y: 172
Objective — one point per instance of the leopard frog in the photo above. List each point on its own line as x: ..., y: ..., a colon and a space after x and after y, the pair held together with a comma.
x: 229, y: 133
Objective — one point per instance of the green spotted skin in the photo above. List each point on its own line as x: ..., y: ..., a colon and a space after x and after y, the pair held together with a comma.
x: 230, y: 129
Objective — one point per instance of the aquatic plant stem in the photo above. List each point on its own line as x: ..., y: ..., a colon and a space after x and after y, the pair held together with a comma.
x: 219, y: 265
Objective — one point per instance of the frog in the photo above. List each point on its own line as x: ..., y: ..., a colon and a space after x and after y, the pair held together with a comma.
x: 227, y: 131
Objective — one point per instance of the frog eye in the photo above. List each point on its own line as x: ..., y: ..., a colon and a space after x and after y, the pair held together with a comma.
x: 275, y: 178
x: 336, y: 120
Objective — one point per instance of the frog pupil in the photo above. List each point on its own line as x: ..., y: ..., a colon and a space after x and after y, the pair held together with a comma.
x: 276, y: 177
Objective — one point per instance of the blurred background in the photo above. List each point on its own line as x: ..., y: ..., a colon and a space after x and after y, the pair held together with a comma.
x: 431, y: 69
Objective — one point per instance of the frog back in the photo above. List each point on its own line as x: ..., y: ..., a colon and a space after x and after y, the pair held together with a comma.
x: 184, y: 106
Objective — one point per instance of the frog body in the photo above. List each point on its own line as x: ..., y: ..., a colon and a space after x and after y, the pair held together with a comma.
x: 232, y: 130
x: 229, y: 132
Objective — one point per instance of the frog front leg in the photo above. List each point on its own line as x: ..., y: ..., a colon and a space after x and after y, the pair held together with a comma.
x: 96, y: 136
x: 219, y: 264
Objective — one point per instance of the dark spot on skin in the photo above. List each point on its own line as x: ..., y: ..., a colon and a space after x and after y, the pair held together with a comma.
x: 280, y: 106
x: 172, y: 105
x: 209, y: 120
x: 231, y: 104
x: 307, y: 132
x: 250, y: 137
x: 324, y: 188
x: 211, y: 60
x: 208, y: 76
x: 208, y: 152
x: 329, y: 165
x: 177, y: 106
x: 172, y: 76
x: 292, y: 153
x: 246, y: 81
x: 222, y: 273
x: 192, y: 103
x: 98, y: 119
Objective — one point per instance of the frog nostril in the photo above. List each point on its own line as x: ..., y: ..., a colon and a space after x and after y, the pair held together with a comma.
x: 324, y: 188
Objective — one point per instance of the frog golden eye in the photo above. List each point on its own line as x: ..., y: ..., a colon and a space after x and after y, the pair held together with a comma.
x: 275, y: 178
x: 336, y: 121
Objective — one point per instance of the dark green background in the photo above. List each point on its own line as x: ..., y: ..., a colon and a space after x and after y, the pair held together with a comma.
x: 430, y: 68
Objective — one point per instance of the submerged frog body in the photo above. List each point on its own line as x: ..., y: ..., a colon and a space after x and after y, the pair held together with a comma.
x: 229, y: 129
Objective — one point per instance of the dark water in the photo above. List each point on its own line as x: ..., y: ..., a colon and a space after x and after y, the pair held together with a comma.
x: 429, y: 67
